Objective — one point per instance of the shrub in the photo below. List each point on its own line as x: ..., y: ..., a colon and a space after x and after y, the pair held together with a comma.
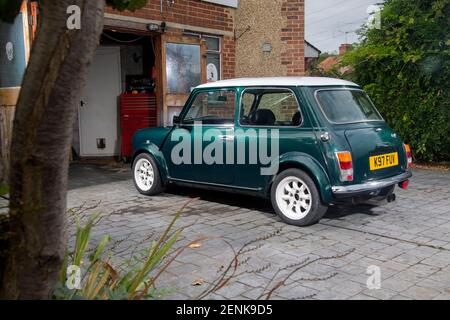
x: 405, y: 68
x: 102, y: 281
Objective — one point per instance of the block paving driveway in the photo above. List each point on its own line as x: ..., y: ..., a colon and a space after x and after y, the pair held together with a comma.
x: 409, y: 240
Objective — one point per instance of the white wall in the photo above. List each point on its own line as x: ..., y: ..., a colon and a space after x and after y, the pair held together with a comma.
x: 310, y: 52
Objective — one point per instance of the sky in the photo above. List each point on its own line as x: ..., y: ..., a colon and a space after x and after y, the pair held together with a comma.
x: 329, y: 23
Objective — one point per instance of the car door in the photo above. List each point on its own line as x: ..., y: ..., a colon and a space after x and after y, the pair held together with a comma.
x: 275, y: 118
x: 200, y: 148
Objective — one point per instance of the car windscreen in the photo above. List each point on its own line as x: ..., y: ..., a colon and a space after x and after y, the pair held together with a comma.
x: 345, y: 106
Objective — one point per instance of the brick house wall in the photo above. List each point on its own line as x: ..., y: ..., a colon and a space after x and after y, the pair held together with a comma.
x: 188, y: 12
x: 185, y: 18
x: 185, y: 15
x: 293, y: 36
x: 277, y: 23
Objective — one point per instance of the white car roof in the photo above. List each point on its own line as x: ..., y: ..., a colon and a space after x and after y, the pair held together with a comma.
x: 277, y: 81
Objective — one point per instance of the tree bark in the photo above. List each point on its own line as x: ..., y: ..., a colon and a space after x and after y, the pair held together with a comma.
x: 42, y: 135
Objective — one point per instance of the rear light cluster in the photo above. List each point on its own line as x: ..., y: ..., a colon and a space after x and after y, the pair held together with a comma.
x: 345, y: 165
x: 408, y: 155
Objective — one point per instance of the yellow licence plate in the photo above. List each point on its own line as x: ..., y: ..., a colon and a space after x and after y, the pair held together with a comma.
x: 383, y: 161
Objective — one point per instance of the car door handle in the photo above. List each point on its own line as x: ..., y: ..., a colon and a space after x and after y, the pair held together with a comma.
x: 226, y: 138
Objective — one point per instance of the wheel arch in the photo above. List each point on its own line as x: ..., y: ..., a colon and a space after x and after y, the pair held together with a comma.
x: 310, y: 166
x: 158, y: 156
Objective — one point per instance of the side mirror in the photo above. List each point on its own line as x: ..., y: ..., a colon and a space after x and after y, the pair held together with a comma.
x: 176, y: 120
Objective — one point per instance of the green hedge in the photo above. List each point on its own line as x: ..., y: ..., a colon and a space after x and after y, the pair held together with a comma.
x: 405, y: 68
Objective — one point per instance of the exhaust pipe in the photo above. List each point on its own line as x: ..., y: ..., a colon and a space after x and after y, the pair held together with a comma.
x: 391, y: 198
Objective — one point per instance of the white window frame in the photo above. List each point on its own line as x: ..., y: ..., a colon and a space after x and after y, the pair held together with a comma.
x: 227, y: 3
x: 203, y: 36
x: 216, y: 52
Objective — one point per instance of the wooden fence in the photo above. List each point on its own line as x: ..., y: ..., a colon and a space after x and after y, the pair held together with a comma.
x: 8, y: 100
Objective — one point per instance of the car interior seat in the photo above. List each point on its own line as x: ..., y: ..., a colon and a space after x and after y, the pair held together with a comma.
x: 263, y: 117
x: 297, y: 119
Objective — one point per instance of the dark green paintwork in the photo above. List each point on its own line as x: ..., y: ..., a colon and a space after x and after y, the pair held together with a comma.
x: 299, y: 147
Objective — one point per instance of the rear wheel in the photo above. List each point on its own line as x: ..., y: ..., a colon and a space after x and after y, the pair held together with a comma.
x: 146, y: 176
x: 296, y: 198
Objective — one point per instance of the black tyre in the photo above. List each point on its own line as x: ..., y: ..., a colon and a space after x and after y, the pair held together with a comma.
x: 296, y: 199
x: 146, y: 177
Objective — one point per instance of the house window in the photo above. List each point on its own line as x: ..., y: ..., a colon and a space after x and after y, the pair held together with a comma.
x: 213, y: 58
x: 182, y: 67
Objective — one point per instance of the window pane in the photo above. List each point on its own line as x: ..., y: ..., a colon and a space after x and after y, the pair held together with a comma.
x: 212, y: 67
x: 213, y: 107
x: 182, y: 67
x: 212, y: 44
x: 342, y: 106
x: 246, y: 107
x: 274, y: 108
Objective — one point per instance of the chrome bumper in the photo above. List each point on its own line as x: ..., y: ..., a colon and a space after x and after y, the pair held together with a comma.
x: 371, y: 186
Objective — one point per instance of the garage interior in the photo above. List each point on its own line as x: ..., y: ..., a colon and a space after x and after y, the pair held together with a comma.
x: 119, y: 96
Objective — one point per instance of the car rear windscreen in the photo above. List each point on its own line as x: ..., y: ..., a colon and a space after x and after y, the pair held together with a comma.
x: 346, y: 106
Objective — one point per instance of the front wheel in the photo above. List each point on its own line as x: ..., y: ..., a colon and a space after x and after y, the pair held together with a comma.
x: 296, y: 199
x: 146, y: 176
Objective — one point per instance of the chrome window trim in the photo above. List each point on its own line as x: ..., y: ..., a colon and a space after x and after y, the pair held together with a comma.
x: 269, y: 88
x: 316, y: 92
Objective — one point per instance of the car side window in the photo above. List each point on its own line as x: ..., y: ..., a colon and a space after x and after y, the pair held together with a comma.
x: 270, y: 107
x: 212, y: 107
x: 247, y: 101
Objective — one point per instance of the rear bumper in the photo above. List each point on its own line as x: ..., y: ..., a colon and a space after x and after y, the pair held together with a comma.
x: 372, y: 187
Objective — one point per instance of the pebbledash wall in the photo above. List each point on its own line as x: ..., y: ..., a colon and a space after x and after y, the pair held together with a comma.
x: 270, y: 38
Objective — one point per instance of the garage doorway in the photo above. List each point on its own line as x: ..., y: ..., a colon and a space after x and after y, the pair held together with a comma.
x: 124, y: 66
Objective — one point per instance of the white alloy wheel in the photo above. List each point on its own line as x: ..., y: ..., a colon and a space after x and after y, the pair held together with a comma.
x: 144, y: 174
x: 293, y: 198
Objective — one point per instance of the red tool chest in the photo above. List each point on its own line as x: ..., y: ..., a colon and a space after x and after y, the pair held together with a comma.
x: 137, y: 111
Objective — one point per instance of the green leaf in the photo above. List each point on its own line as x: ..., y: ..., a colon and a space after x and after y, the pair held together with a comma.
x: 100, y: 248
x: 82, y: 239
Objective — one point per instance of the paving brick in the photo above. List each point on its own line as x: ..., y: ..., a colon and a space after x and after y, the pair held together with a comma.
x: 233, y: 290
x: 381, y: 294
x: 409, y: 239
x: 421, y: 293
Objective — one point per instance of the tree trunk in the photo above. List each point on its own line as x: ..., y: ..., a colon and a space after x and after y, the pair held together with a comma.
x: 40, y: 147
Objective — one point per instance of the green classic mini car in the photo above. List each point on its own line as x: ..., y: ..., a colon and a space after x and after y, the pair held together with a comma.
x: 304, y: 143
